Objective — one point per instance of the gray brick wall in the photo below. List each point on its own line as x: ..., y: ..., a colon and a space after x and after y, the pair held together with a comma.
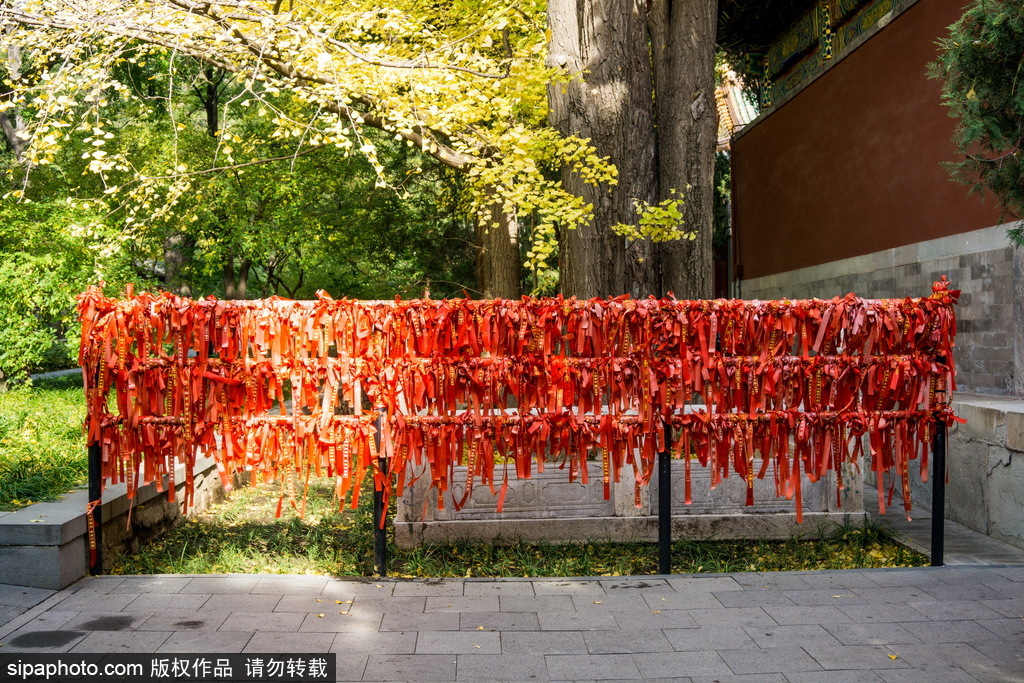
x: 980, y: 263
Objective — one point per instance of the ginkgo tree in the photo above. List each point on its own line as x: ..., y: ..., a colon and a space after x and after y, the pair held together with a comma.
x: 461, y: 82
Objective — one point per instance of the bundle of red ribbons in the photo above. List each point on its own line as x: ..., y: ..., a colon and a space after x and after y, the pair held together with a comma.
x: 276, y: 386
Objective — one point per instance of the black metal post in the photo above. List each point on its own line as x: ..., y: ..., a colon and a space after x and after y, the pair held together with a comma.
x: 665, y: 505
x: 380, y: 534
x: 94, y: 520
x: 938, y: 492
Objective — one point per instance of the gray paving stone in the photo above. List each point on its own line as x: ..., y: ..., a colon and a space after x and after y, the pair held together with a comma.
x: 458, y: 642
x: 334, y: 621
x: 581, y: 587
x: 963, y: 631
x: 472, y: 667
x: 825, y: 597
x: 648, y: 586
x: 337, y: 589
x: 310, y: 602
x: 370, y: 588
x: 110, y: 642
x: 733, y: 678
x: 1007, y: 629
x: 655, y: 619
x: 202, y: 642
x: 954, y: 610
x: 152, y: 584
x: 154, y: 602
x: 806, y: 614
x: 49, y: 620
x: 612, y: 603
x: 942, y: 660
x: 595, y: 667
x: 753, y: 598
x: 891, y: 594
x: 1011, y: 573
x: 95, y: 584
x: 577, y: 621
x: 790, y: 636
x: 424, y: 621
x: 499, y: 621
x: 847, y: 657
x: 546, y: 603
x: 286, y: 622
x: 289, y: 585
x: 871, y: 634
x: 704, y: 583
x: 20, y: 596
x: 962, y: 593
x: 880, y: 614
x: 221, y: 602
x: 842, y: 579
x: 771, y: 581
x: 428, y: 587
x: 675, y: 665
x: 410, y: 668
x: 183, y: 621
x: 767, y: 661
x: 732, y: 616
x: 916, y: 577
x: 709, y: 638
x: 683, y: 599
x: 460, y: 603
x: 547, y: 643
x: 854, y: 676
x: 95, y: 602
x: 32, y: 639
x: 626, y: 642
x: 1008, y: 656
x: 1008, y: 608
x: 350, y: 667
x: 8, y: 613
x: 214, y: 585
x: 382, y: 602
x: 473, y: 588
x: 375, y: 642
x: 106, y: 621
x: 289, y: 642
x: 948, y: 675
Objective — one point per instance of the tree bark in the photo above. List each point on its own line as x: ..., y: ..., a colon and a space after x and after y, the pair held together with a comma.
x: 10, y: 120
x: 497, y: 258
x: 683, y: 54
x: 602, y: 44
x: 177, y: 255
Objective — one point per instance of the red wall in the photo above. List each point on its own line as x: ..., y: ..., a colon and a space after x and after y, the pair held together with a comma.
x: 851, y: 165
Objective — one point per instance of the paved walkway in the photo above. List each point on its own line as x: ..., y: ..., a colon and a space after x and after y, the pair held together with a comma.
x: 926, y: 624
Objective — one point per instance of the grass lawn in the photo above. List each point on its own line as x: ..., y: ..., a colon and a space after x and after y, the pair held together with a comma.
x: 42, y: 448
x: 241, y: 535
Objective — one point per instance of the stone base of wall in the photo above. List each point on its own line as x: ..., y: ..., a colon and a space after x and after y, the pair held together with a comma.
x: 549, y: 508
x: 45, y: 545
x: 980, y: 263
x: 985, y: 465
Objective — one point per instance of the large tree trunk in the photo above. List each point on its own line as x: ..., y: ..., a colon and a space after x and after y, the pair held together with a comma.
x: 683, y: 54
x: 10, y: 120
x: 602, y: 44
x: 177, y: 255
x: 497, y: 258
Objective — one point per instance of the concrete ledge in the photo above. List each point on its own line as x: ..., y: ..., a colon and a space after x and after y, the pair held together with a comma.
x: 623, y: 529
x: 45, y: 545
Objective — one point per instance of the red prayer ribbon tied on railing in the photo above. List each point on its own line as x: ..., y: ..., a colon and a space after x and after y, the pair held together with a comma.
x: 270, y: 386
